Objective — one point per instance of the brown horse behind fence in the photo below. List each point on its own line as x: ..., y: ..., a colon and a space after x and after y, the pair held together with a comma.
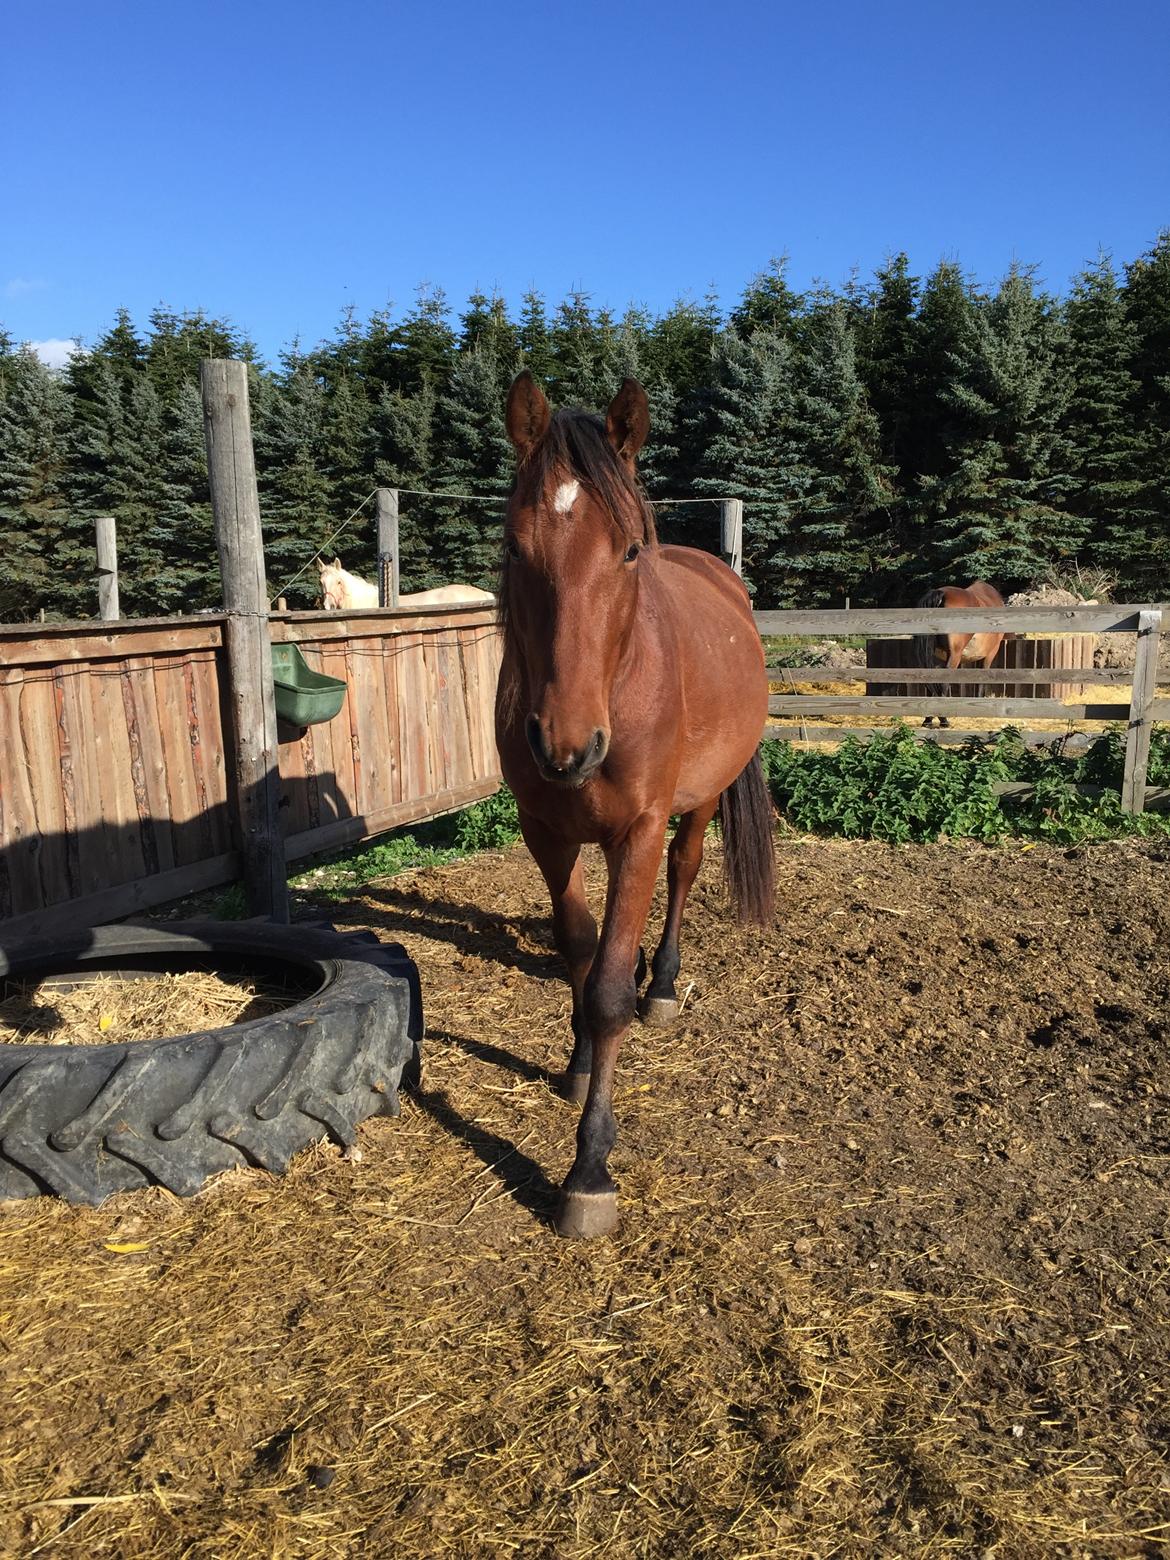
x: 632, y: 687
x: 955, y: 650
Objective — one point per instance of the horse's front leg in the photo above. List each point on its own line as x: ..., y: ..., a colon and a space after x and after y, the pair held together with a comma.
x: 574, y: 932
x: 589, y: 1197
x: 660, y: 1004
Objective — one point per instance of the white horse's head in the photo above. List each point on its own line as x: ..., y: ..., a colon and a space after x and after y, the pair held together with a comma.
x: 333, y: 578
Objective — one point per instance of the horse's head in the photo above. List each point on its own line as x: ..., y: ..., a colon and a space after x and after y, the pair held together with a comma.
x: 332, y: 584
x: 575, y: 528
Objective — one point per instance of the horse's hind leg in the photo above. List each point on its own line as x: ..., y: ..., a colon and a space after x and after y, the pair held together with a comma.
x: 660, y: 1003
x: 575, y: 934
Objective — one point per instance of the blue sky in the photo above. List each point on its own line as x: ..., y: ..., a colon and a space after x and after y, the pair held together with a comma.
x: 276, y: 162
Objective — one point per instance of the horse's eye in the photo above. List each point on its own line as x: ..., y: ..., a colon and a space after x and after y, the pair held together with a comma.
x: 632, y: 552
x: 512, y: 547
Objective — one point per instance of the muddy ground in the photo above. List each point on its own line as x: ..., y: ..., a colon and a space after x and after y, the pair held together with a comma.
x: 891, y: 1279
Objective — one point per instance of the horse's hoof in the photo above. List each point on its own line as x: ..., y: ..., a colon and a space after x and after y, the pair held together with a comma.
x: 585, y: 1215
x: 573, y: 1086
x: 659, y: 1012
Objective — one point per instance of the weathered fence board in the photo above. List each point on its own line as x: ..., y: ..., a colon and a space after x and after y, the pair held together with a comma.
x: 1064, y: 655
x: 114, y: 761
x: 1027, y: 696
x: 1121, y: 619
x: 963, y: 676
x: 1007, y: 709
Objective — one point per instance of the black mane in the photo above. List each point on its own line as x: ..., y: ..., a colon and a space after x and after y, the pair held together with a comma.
x: 576, y: 443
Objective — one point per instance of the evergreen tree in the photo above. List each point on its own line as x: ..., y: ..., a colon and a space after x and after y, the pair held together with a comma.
x: 841, y: 537
x: 296, y: 499
x: 34, y: 425
x: 474, y: 457
x: 580, y: 372
x: 1147, y: 306
x: 536, y: 339
x: 931, y: 425
x: 403, y: 430
x: 769, y: 304
x: 178, y: 343
x: 1000, y: 509
x: 425, y: 343
x: 116, y: 468
x: 887, y: 339
x: 186, y: 533
x: 748, y: 437
x: 347, y: 444
x: 1100, y: 422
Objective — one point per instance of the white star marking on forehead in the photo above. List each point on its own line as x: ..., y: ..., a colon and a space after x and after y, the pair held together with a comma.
x: 565, y: 497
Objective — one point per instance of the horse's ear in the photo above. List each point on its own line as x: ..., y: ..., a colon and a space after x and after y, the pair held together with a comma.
x: 527, y: 415
x: 627, y: 423
x: 336, y: 564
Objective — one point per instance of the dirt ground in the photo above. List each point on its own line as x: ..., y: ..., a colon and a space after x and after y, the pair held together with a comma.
x: 891, y: 1280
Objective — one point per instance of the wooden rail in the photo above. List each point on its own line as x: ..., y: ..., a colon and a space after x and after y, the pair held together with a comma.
x: 115, y: 752
x: 1145, y: 622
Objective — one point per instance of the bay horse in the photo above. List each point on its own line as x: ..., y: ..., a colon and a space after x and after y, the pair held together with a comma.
x: 342, y: 591
x: 632, y: 687
x: 955, y: 650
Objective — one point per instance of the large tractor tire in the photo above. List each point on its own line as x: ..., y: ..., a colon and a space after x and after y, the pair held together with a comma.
x: 83, y: 1121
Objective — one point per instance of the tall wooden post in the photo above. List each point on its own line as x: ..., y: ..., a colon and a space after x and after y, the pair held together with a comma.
x: 731, y: 526
x: 235, y: 505
x: 1145, y: 690
x: 386, y: 500
x: 106, y: 529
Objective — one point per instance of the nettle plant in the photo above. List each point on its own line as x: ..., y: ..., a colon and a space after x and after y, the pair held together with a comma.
x: 896, y: 789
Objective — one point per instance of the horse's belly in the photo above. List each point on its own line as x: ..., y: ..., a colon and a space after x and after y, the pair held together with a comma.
x: 982, y: 647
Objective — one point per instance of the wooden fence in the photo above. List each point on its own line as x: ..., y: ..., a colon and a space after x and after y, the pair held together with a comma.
x: 116, y: 751
x: 1143, y: 622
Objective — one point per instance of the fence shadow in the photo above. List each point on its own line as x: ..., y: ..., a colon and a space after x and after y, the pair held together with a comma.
x: 56, y: 885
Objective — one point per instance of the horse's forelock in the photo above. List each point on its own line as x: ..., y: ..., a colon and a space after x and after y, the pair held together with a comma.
x: 576, y: 448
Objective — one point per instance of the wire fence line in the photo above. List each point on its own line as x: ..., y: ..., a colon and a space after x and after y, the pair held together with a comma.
x: 495, y: 500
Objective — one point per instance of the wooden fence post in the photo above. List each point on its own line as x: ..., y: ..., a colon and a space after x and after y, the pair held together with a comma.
x: 386, y: 500
x: 731, y: 527
x: 106, y: 528
x: 235, y: 504
x: 1145, y: 688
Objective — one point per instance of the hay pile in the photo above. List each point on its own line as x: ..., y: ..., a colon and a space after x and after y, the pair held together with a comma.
x: 109, y: 1010
x: 892, y: 1276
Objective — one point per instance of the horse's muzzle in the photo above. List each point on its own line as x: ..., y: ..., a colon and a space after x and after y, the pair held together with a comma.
x: 569, y: 767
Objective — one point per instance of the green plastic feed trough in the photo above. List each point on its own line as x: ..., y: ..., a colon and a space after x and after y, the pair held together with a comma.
x: 303, y: 697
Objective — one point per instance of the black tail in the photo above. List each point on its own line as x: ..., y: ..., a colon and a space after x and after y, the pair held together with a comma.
x: 924, y: 644
x: 745, y: 816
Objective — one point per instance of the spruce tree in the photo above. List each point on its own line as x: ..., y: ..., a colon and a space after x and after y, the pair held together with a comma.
x: 34, y: 425
x: 186, y: 534
x: 769, y: 304
x: 1100, y: 421
x: 748, y: 437
x: 841, y: 538
x: 296, y: 499
x: 536, y: 339
x: 1000, y: 509
x: 404, y: 443
x: 474, y: 457
x: 1147, y: 306
x: 887, y: 338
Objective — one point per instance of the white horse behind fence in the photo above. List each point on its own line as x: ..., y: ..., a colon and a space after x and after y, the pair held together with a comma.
x: 342, y: 591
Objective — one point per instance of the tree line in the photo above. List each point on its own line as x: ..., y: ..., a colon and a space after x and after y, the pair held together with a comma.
x: 883, y: 435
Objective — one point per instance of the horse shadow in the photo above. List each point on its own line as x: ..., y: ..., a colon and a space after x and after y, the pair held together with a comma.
x: 520, y: 1175
x: 495, y: 1056
x: 465, y: 927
